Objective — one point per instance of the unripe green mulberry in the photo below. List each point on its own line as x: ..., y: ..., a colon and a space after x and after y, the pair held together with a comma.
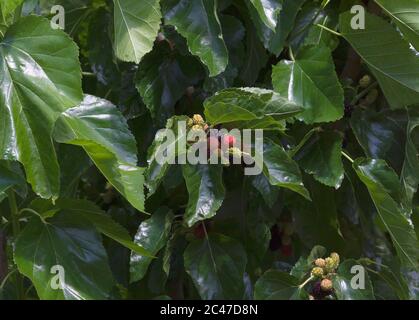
x: 190, y: 123
x: 326, y: 285
x: 197, y: 119
x: 335, y: 258
x: 317, y: 272
x: 330, y: 264
x: 365, y: 81
x: 320, y: 263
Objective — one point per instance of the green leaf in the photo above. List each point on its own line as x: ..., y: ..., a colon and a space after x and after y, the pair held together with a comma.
x: 381, y: 134
x: 198, y: 22
x: 98, y: 127
x: 72, y: 243
x: 380, y: 181
x: 304, y: 265
x: 281, y: 170
x: 321, y: 156
x: 267, y: 11
x: 343, y: 287
x: 7, y: 7
x: 233, y: 33
x: 278, y: 285
x: 255, y: 58
x: 389, y: 57
x: 102, y: 222
x: 286, y: 20
x: 216, y: 266
x: 406, y: 15
x: 8, y: 178
x: 410, y: 171
x: 311, y: 81
x: 152, y: 235
x: 249, y: 105
x: 136, y: 26
x: 162, y: 79
x: 40, y: 77
x: 156, y: 171
x: 206, y: 191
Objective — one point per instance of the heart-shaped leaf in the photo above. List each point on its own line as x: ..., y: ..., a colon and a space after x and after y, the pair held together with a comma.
x: 311, y: 81
x: 321, y: 156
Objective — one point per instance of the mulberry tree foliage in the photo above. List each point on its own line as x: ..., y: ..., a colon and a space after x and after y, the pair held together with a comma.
x: 331, y: 88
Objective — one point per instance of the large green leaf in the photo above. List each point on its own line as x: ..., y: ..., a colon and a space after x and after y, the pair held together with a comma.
x: 136, y: 26
x: 198, y: 22
x: 278, y: 285
x: 406, y: 15
x: 98, y: 127
x: 257, y: 107
x: 152, y: 234
x: 40, y: 77
x: 216, y: 266
x: 389, y: 57
x: 321, y: 156
x: 72, y: 243
x: 380, y: 181
x: 343, y: 286
x: 162, y: 79
x: 311, y: 81
x: 267, y: 11
x: 281, y: 170
x: 206, y: 191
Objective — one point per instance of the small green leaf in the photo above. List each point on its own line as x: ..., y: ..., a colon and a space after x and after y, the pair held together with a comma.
x: 216, y: 266
x: 206, y: 191
x: 257, y: 107
x: 136, y: 26
x: 152, y: 235
x: 156, y: 171
x: 281, y: 170
x: 321, y: 156
x: 278, y: 285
